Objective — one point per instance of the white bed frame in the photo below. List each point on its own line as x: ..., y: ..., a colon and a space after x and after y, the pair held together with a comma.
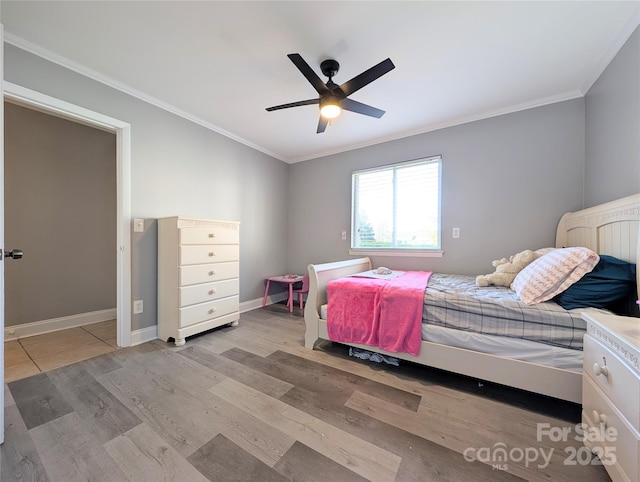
x: 611, y: 228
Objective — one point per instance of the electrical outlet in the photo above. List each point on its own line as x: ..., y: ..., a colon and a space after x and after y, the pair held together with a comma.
x: 344, y: 235
x: 138, y: 225
x: 138, y: 307
x: 456, y: 232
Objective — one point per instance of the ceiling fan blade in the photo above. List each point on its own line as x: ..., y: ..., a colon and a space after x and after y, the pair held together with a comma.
x: 322, y: 125
x: 366, y: 77
x: 310, y: 75
x: 294, y: 104
x: 360, y: 108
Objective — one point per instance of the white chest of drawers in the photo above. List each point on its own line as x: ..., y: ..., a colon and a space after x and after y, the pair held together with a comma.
x: 198, y: 270
x: 611, y: 393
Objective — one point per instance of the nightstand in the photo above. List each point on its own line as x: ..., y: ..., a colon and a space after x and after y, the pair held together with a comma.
x: 611, y: 393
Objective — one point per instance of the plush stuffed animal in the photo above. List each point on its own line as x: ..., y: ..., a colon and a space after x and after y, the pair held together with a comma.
x: 507, y: 269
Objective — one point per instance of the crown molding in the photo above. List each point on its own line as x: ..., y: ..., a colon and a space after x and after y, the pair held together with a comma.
x: 575, y: 94
x: 627, y: 30
x: 114, y: 84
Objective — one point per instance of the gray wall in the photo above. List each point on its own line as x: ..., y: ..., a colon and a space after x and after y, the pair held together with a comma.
x: 179, y: 168
x: 60, y: 208
x: 505, y: 182
x: 613, y: 128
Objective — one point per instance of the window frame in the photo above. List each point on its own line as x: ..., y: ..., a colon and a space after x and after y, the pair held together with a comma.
x: 397, y: 251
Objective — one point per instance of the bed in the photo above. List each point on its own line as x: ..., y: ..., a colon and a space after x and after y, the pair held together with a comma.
x: 608, y: 229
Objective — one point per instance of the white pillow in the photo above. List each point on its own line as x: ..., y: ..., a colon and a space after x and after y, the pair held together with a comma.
x: 553, y: 273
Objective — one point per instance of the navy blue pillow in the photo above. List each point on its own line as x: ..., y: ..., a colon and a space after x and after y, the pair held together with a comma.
x: 611, y: 280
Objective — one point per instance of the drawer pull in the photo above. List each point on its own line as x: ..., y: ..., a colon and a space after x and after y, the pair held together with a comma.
x: 212, y: 253
x: 212, y: 311
x: 600, y: 370
x: 211, y: 292
x: 212, y: 272
x: 212, y: 235
x: 599, y: 417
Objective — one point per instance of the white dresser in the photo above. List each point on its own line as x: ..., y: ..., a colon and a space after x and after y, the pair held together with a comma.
x: 611, y: 393
x: 198, y: 270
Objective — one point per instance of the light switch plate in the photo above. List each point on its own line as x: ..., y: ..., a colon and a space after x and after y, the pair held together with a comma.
x: 138, y: 307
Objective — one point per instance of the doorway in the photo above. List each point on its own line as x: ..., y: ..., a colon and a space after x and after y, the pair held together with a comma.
x: 60, y: 198
x: 58, y: 108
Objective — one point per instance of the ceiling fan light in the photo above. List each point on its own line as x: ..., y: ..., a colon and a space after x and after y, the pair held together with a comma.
x: 330, y: 108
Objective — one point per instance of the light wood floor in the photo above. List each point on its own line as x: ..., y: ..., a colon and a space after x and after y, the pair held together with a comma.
x: 41, y: 353
x: 250, y: 403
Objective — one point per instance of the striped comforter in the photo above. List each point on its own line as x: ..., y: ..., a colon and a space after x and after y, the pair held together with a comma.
x: 455, y: 301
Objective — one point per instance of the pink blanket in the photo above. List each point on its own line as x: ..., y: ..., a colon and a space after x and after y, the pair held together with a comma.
x: 375, y: 312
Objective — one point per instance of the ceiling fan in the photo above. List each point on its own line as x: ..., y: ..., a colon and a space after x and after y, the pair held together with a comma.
x: 334, y: 97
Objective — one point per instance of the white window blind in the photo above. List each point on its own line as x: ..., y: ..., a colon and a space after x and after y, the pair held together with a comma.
x: 397, y: 207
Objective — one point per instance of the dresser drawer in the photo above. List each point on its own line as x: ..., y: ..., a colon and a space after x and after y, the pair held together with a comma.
x: 205, y: 273
x: 209, y: 235
x: 618, y: 442
x: 190, y: 295
x: 206, y: 311
x: 620, y: 385
x: 208, y: 254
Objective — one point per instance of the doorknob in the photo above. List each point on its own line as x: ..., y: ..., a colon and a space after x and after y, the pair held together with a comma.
x: 14, y: 253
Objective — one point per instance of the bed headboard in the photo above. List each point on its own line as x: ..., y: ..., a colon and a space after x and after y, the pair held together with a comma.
x: 611, y: 228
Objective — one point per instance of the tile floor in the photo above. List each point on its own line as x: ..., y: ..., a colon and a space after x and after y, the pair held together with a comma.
x: 41, y: 353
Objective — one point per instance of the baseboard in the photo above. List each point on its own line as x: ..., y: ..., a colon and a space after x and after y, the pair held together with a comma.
x: 150, y: 333
x: 16, y: 332
x: 144, y: 335
x: 257, y: 303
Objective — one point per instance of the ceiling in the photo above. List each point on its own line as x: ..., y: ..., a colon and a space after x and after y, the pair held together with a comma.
x: 222, y: 63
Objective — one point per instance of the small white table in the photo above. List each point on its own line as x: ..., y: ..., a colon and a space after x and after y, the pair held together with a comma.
x: 289, y: 279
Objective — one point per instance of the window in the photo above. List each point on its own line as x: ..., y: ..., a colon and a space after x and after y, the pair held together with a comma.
x: 397, y: 208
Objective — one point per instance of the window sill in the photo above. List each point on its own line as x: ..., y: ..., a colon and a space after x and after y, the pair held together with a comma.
x: 409, y: 253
